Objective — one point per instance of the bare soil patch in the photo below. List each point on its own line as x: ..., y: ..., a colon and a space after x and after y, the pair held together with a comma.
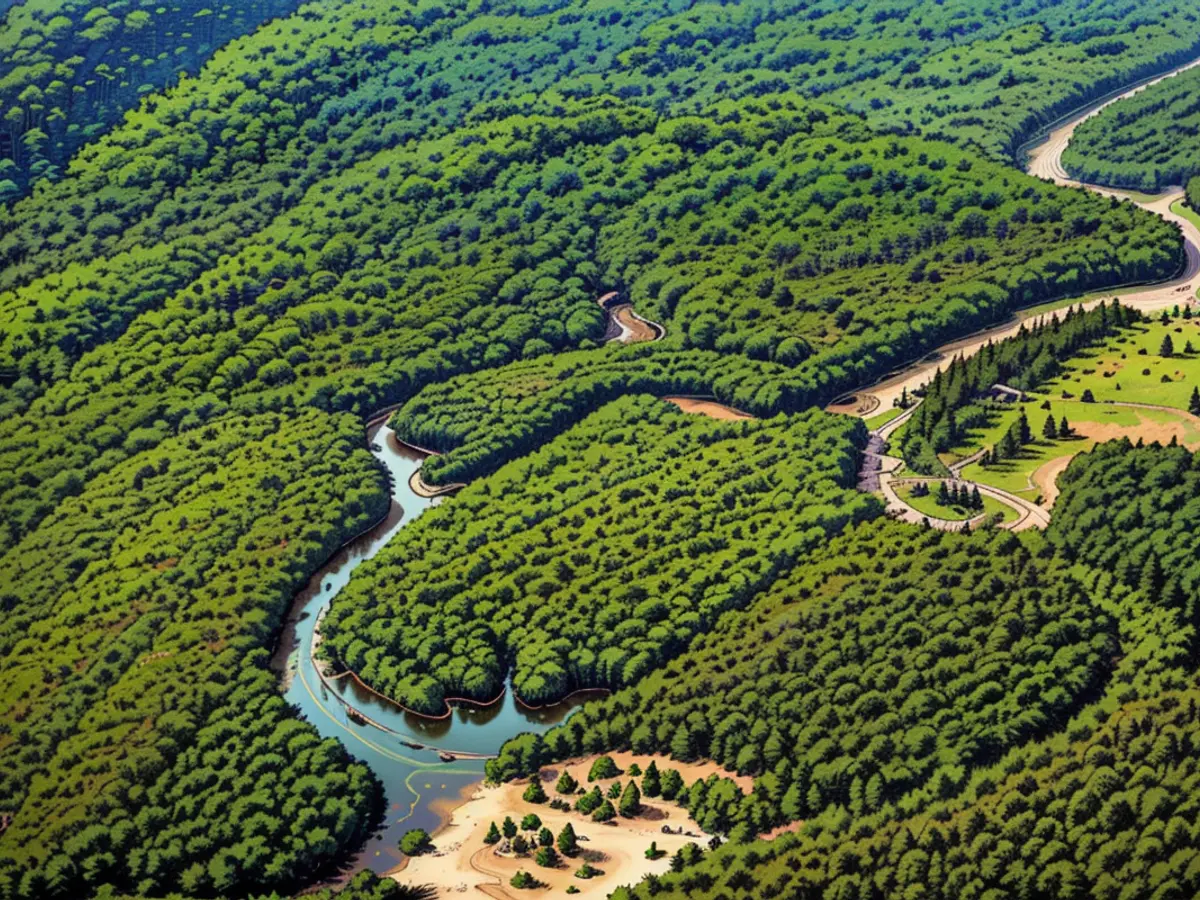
x: 463, y: 865
x: 710, y: 408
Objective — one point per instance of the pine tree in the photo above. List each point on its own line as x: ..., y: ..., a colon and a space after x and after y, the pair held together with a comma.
x: 1167, y: 348
x: 1049, y: 431
x: 546, y: 857
x: 567, y: 842
x: 1151, y: 579
x: 545, y: 837
x: 943, y: 495
x: 976, y: 498
x: 1194, y: 402
x: 1064, y: 428
x: 672, y: 784
x: 681, y: 744
x: 535, y: 793
x: 510, y: 827
x: 1025, y: 435
x: 651, y: 785
x: 631, y: 800
x: 493, y: 835
x: 566, y: 784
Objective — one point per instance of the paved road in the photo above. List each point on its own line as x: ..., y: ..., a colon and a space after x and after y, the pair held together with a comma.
x: 1045, y: 161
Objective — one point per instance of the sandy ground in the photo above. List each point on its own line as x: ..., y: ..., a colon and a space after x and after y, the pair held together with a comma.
x: 1046, y: 478
x: 861, y: 405
x: 462, y: 864
x: 710, y: 408
x: 1147, y: 430
x: 634, y: 329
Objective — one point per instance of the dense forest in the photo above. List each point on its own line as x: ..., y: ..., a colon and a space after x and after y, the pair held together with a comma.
x: 955, y: 401
x: 69, y: 69
x: 230, y: 233
x: 594, y: 559
x: 492, y: 244
x: 1097, y: 798
x: 895, y: 658
x: 136, y: 702
x: 1149, y: 142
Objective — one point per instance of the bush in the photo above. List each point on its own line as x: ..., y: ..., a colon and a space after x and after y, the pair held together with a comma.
x: 603, y: 768
x: 415, y: 842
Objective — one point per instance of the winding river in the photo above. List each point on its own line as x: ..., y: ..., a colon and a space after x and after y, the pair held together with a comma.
x: 404, y: 750
x: 409, y: 753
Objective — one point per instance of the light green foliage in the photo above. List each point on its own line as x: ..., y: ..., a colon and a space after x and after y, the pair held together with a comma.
x: 1147, y: 142
x: 415, y: 842
x: 576, y: 564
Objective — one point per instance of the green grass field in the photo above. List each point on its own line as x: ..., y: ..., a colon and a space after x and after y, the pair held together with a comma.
x: 1091, y: 422
x: 878, y: 421
x: 1182, y: 209
x: 1129, y: 368
x: 929, y: 506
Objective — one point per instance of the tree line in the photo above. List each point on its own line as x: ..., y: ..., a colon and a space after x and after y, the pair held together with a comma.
x: 74, y: 67
x: 956, y: 401
x: 1097, y: 800
x: 143, y: 741
x: 1146, y: 142
x: 866, y: 673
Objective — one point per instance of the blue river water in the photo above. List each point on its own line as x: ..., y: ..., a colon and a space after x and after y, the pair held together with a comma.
x: 407, y: 752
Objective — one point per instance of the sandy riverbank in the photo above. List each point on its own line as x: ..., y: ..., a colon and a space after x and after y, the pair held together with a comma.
x: 462, y: 864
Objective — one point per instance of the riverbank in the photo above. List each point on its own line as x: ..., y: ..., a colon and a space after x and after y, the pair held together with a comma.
x: 461, y: 863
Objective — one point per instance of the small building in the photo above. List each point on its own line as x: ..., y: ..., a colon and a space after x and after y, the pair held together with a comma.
x: 1002, y: 393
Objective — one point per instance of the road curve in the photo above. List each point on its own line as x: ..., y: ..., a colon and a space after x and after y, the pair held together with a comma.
x: 1045, y: 161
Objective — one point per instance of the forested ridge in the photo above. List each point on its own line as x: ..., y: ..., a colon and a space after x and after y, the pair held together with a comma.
x: 894, y: 658
x: 205, y: 288
x: 1103, y: 804
x: 1150, y: 141
x: 592, y: 560
x: 71, y: 68
x: 137, y: 703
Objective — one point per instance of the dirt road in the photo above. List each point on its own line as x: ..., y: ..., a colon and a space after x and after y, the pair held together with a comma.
x: 1045, y: 161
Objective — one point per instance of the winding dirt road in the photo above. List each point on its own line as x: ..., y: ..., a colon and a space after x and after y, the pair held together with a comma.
x: 1045, y: 161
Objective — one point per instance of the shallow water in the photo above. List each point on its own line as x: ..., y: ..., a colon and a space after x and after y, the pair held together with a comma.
x: 416, y: 781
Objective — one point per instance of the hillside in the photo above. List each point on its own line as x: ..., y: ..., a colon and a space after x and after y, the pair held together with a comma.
x: 1148, y: 142
x: 231, y: 235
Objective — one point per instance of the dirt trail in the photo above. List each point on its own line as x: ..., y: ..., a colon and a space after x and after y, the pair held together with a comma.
x: 711, y: 408
x: 1045, y: 161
